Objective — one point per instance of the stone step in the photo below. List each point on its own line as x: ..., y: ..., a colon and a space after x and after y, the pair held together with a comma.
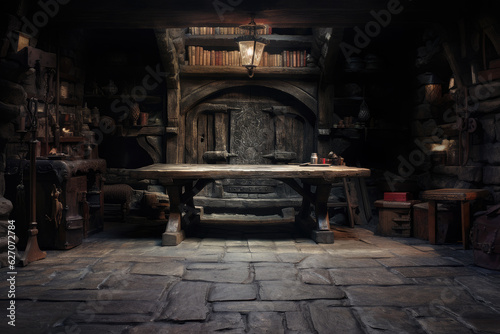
x: 287, y: 217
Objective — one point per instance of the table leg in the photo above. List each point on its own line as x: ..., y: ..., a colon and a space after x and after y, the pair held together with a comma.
x: 173, y: 234
x: 465, y: 212
x: 322, y: 234
x: 431, y: 221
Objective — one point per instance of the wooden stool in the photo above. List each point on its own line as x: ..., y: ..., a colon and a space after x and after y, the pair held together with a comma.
x: 465, y: 196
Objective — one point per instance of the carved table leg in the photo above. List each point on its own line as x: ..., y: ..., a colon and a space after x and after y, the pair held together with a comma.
x: 303, y: 218
x: 174, y: 235
x: 322, y: 234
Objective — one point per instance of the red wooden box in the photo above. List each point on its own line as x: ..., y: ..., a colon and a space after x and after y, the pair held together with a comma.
x: 397, y: 197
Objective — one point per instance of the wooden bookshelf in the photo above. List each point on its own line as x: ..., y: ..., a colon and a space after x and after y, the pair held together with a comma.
x: 275, y: 41
x: 238, y: 71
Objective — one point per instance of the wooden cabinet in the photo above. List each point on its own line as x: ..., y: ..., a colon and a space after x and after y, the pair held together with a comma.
x: 69, y: 200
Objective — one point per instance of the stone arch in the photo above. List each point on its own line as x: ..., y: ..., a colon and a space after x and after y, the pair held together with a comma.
x: 199, y: 95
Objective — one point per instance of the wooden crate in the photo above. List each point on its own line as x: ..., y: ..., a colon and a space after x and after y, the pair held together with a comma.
x: 446, y: 218
x: 395, y: 218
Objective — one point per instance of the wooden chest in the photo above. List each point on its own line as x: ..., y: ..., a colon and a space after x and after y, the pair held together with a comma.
x: 395, y: 218
x: 80, y: 206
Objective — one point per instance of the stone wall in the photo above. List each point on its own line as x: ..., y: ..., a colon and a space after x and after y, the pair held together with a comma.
x: 439, y: 123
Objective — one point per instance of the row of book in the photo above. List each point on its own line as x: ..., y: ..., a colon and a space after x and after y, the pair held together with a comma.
x: 198, y: 56
x: 288, y: 58
x: 227, y: 31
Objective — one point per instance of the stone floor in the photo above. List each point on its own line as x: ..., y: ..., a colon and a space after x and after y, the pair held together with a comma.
x: 253, y: 279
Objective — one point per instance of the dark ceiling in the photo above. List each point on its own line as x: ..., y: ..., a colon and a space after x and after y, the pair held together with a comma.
x: 281, y: 13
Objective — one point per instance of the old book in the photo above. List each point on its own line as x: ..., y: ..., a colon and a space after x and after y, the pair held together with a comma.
x: 212, y: 58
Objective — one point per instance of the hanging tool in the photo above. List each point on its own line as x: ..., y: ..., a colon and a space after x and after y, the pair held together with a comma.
x: 465, y: 125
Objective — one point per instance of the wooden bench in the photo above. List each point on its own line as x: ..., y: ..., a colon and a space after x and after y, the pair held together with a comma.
x: 464, y: 196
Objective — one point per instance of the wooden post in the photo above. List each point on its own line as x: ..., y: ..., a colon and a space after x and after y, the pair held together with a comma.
x: 431, y: 221
x: 32, y: 252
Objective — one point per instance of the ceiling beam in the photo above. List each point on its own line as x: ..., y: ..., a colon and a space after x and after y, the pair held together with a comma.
x: 160, y: 14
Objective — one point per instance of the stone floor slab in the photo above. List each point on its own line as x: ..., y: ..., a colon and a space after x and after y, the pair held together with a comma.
x: 167, y: 268
x: 296, y: 322
x: 275, y: 272
x: 387, y: 320
x: 482, y: 288
x: 327, y: 319
x: 416, y: 272
x: 433, y: 325
x: 231, y: 274
x: 407, y: 296
x: 328, y: 261
x: 372, y: 276
x: 232, y: 292
x: 291, y: 290
x: 265, y: 322
x: 315, y: 276
x: 255, y: 306
x: 187, y: 302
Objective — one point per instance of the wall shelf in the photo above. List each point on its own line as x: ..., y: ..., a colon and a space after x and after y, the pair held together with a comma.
x: 240, y: 71
x: 278, y: 41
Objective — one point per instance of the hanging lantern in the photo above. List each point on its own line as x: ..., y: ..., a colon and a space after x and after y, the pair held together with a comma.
x: 251, y: 46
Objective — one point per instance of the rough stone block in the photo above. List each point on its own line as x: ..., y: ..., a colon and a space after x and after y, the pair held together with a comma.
x: 491, y: 175
x: 488, y: 126
x: 172, y: 238
x: 422, y: 111
x: 424, y: 129
x: 322, y: 237
x: 471, y: 174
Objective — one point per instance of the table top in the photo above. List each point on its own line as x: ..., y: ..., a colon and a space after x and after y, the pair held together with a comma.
x: 452, y: 194
x: 220, y: 171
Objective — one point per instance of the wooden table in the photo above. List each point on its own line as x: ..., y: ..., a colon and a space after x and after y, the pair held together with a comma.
x: 464, y: 196
x: 184, y: 181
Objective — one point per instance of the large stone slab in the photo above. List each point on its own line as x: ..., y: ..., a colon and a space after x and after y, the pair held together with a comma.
x: 415, y: 272
x: 48, y: 314
x: 315, y: 276
x: 411, y: 261
x: 232, y: 292
x: 482, y: 288
x: 330, y: 261
x: 187, y: 302
x: 386, y: 320
x: 275, y: 272
x: 167, y: 268
x: 250, y: 257
x: 231, y: 323
x: 434, y: 325
x: 327, y: 319
x: 406, y: 296
x: 229, y: 274
x: 297, y: 322
x: 255, y: 306
x: 265, y: 322
x: 372, y: 276
x: 137, y: 282
x: 292, y: 290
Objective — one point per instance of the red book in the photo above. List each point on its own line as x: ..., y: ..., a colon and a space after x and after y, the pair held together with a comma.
x: 397, y: 197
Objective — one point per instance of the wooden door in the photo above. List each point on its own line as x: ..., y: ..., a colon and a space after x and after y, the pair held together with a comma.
x: 242, y: 127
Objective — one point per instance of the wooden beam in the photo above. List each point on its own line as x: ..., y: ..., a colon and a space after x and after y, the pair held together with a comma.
x: 174, y: 14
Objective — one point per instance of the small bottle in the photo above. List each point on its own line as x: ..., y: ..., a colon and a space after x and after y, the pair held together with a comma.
x: 314, y: 158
